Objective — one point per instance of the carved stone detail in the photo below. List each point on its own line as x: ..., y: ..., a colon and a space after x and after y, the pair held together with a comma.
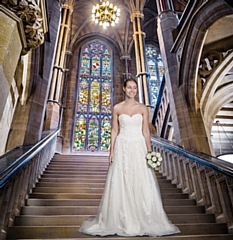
x: 180, y: 51
x: 30, y: 14
x: 209, y: 62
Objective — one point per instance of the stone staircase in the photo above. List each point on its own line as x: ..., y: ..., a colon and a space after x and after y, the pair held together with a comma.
x: 70, y: 190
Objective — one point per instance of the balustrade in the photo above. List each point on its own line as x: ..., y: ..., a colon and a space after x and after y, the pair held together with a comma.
x: 19, y: 172
x: 206, y: 179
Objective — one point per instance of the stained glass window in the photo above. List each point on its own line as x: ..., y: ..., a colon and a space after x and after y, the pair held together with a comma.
x: 156, y: 71
x: 93, y: 112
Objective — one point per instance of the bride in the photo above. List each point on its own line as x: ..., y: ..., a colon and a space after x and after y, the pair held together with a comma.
x: 131, y: 204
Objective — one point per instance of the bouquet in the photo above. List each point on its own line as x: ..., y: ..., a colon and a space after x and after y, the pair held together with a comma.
x: 154, y: 159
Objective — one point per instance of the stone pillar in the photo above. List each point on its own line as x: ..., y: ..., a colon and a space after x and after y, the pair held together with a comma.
x: 54, y: 105
x: 187, y: 124
x: 139, y: 44
x: 125, y: 61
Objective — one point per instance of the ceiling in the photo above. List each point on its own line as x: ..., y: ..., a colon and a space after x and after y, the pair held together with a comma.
x: 122, y: 34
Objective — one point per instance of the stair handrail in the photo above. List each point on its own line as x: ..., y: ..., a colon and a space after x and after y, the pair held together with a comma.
x: 219, y: 165
x: 205, y: 178
x: 25, y: 154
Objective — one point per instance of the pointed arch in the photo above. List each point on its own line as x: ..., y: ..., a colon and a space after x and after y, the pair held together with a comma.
x: 94, y: 106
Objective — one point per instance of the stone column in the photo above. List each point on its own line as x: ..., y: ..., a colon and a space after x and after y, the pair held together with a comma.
x: 139, y: 44
x: 54, y: 105
x: 125, y: 61
x: 188, y: 127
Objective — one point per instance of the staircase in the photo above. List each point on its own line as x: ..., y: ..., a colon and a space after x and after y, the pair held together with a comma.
x: 70, y: 190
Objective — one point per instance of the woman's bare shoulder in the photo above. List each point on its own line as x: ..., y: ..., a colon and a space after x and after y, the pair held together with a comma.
x: 142, y: 106
x: 117, y: 106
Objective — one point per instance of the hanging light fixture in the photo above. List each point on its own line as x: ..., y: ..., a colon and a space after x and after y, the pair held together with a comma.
x: 105, y: 14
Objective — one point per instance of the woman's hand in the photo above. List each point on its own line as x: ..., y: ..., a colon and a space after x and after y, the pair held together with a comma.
x: 110, y: 158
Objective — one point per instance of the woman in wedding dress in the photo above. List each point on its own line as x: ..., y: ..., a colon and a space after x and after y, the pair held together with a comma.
x: 131, y: 204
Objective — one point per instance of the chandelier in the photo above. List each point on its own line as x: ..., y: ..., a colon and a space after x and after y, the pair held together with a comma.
x: 105, y: 14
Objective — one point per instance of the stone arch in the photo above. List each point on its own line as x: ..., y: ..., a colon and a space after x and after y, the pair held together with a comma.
x: 222, y: 96
x: 205, y: 16
x: 73, y: 65
x: 211, y: 88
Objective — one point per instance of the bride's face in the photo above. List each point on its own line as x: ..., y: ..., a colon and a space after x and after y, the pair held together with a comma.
x: 131, y: 89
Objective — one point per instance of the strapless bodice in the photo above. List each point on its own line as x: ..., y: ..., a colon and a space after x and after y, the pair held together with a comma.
x: 130, y: 126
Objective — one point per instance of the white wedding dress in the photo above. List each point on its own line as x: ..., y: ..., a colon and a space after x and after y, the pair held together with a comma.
x: 131, y: 203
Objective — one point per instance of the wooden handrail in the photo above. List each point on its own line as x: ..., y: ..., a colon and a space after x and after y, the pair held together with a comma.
x: 206, y: 160
x: 205, y: 178
x: 14, y: 160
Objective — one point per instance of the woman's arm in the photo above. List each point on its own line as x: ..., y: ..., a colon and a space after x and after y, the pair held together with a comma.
x: 145, y: 128
x: 114, y: 133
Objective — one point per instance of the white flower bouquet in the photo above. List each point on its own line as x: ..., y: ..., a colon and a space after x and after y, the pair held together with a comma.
x: 154, y: 159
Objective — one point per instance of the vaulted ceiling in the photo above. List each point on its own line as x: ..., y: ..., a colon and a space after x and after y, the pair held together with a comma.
x: 122, y: 33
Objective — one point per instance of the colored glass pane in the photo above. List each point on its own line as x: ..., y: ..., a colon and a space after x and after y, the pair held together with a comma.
x: 95, y: 70
x: 95, y: 97
x: 105, y: 134
x: 80, y: 134
x: 106, y: 62
x: 156, y: 71
x: 93, y: 134
x: 106, y: 97
x: 97, y: 48
x: 83, y: 95
x: 93, y: 112
x: 85, y: 63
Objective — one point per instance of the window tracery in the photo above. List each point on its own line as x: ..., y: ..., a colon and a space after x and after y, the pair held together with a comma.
x: 93, y: 111
x: 155, y: 70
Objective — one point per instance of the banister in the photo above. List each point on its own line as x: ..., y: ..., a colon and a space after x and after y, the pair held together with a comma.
x: 205, y: 178
x: 206, y: 160
x: 14, y: 160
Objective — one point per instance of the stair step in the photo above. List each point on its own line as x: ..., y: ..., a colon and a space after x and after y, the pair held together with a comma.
x: 71, y: 220
x: 88, y: 190
x: 177, y: 237
x: 67, y: 190
x: 62, y: 202
x: 95, y: 202
x: 81, y: 161
x: 85, y: 163
x: 79, y: 179
x: 94, y: 195
x: 76, y: 167
x: 73, y: 175
x: 70, y: 190
x: 65, y: 196
x: 91, y: 210
x: 72, y: 180
x: 69, y: 185
x: 72, y: 231
x: 89, y: 185
x: 75, y: 172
